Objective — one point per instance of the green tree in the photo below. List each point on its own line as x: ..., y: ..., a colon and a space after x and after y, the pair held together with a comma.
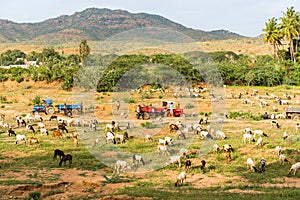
x: 272, y: 34
x: 84, y: 50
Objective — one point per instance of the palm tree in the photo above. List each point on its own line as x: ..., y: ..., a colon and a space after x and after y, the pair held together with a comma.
x: 289, y: 27
x: 272, y: 34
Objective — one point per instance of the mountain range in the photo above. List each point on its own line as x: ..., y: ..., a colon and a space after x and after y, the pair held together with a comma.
x: 97, y: 24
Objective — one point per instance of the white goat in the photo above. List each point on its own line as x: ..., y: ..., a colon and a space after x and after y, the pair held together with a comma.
x: 216, y: 148
x: 44, y: 131
x: 121, y: 166
x: 110, y: 136
x: 285, y: 135
x: 220, y: 134
x: 163, y: 150
x: 251, y: 165
x: 20, y: 138
x: 282, y: 159
x: 248, y: 130
x: 137, y: 158
x: 174, y: 159
x: 259, y: 142
x: 248, y: 137
x: 278, y: 150
x: 259, y: 132
x: 120, y: 137
x: 181, y: 177
x: 294, y: 168
x: 169, y: 140
x: 148, y: 137
x: 183, y: 152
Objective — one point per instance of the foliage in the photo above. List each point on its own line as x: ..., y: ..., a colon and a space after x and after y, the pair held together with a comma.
x: 36, y: 100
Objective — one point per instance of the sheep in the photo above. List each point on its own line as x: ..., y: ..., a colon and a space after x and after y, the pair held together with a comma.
x: 285, y: 135
x: 183, y: 152
x: 251, y: 165
x: 259, y: 132
x: 297, y: 127
x: 137, y: 158
x: 220, y: 134
x: 181, y: 177
x: 121, y: 165
x: 163, y: 150
x: 216, y: 148
x: 20, y: 138
x: 188, y: 165
x: 110, y: 136
x: 262, y: 164
x: 180, y: 134
x: 96, y: 141
x: 283, y: 159
x: 66, y: 158
x: 33, y: 140
x: 259, y: 142
x: 30, y: 128
x: 148, y: 137
x: 202, y: 167
x: 11, y: 132
x: 294, y: 168
x: 59, y: 153
x: 274, y: 123
x: 248, y: 137
x: 278, y: 150
x: 227, y: 147
x: 44, y: 131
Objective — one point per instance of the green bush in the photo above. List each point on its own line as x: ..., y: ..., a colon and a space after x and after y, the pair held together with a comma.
x: 36, y: 100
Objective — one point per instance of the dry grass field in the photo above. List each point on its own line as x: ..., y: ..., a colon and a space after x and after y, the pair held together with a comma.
x: 29, y: 171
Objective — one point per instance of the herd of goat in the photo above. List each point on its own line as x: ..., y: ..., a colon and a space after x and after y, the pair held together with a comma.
x: 203, y: 129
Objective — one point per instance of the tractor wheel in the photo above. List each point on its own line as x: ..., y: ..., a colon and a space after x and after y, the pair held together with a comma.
x: 146, y: 115
x: 50, y: 110
x: 296, y: 117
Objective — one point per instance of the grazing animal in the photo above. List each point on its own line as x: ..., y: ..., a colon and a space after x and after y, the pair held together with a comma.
x: 110, y: 136
x: 251, y: 165
x: 183, y: 152
x: 227, y: 147
x: 38, y: 117
x: 285, y: 135
x: 297, y: 127
x: 173, y: 128
x: 203, y: 120
x: 121, y: 165
x: 248, y: 130
x: 33, y: 140
x: 125, y: 135
x: 163, y: 150
x: 66, y: 158
x: 205, y: 134
x: 20, y: 138
x: 283, y: 159
x: 202, y: 167
x: 248, y: 137
x: 262, y: 164
x: 96, y: 141
x: 259, y: 142
x: 30, y: 128
x: 11, y: 132
x: 180, y: 179
x: 138, y: 159
x: 220, y: 134
x: 274, y: 123
x: 294, y: 168
x: 227, y: 155
x: 110, y: 127
x: 181, y: 134
x: 63, y: 127
x: 216, y: 148
x: 120, y: 137
x: 278, y: 150
x: 198, y: 129
x: 59, y: 153
x: 21, y: 122
x: 169, y: 140
x: 44, y: 131
x: 148, y: 137
x: 41, y: 125
x: 58, y: 134
x: 260, y: 133
x: 53, y: 117
x: 188, y: 165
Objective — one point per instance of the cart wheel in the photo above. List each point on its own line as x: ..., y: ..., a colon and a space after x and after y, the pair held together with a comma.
x: 182, y: 115
x: 296, y: 117
x: 50, y: 110
x: 146, y: 116
x: 75, y: 111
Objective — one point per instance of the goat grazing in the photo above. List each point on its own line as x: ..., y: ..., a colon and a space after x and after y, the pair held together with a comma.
x: 30, y: 128
x: 66, y: 158
x: 120, y: 137
x: 274, y: 123
x: 121, y: 165
x: 148, y: 137
x: 227, y: 147
x: 11, y: 132
x: 59, y: 153
x: 251, y: 165
x: 181, y: 134
x: 44, y: 131
x: 138, y: 159
x: 220, y: 134
x: 33, y: 140
x: 163, y: 150
x: 260, y: 133
x: 262, y: 164
x: 202, y: 166
x: 216, y: 148
x: 248, y: 137
x: 285, y: 135
x: 183, y: 152
x: 188, y: 165
x: 20, y: 138
x: 283, y: 159
x: 278, y: 150
x: 58, y: 134
x: 259, y: 142
x: 110, y: 136
x: 294, y: 168
x: 180, y: 179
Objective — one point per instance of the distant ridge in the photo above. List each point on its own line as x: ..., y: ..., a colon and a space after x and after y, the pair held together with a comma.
x: 97, y: 24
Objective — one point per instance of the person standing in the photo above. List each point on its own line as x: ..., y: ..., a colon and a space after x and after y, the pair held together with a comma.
x: 138, y: 112
x: 118, y: 105
x: 171, y: 107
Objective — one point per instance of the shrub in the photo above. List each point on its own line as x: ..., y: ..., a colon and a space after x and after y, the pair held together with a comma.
x: 36, y: 100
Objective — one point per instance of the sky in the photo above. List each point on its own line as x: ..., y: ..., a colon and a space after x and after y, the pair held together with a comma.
x: 245, y: 17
